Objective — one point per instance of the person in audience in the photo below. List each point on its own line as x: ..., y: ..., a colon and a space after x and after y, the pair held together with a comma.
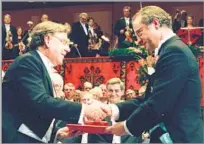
x: 58, y: 83
x: 69, y: 88
x: 122, y: 25
x: 167, y: 101
x: 115, y: 89
x: 104, y: 89
x: 87, y: 98
x: 97, y: 93
x: 87, y: 86
x: 180, y: 20
x: 79, y: 35
x: 19, y: 33
x: 105, y: 97
x: 94, y: 38
x: 190, y: 35
x: 130, y: 94
x: 29, y: 108
x: 27, y: 33
x: 9, y: 39
x: 44, y: 17
x: 20, y: 47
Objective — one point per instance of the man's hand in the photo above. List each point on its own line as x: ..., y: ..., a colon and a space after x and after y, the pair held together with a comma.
x: 117, y: 129
x: 66, y: 133
x: 107, y: 109
x: 94, y: 112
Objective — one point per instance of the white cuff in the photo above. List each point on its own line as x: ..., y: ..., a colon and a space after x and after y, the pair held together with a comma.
x: 81, y: 121
x: 115, y: 112
x: 126, y: 129
x: 150, y: 70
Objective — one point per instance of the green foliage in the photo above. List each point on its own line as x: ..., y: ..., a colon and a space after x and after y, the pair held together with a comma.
x: 135, y: 52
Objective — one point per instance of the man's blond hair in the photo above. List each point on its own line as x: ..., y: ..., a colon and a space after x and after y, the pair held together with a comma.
x: 48, y: 27
x: 148, y: 13
x: 83, y: 14
x: 43, y: 29
x: 113, y: 81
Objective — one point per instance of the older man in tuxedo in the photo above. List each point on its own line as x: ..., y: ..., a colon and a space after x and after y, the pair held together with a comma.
x: 175, y: 94
x: 79, y: 35
x: 29, y: 108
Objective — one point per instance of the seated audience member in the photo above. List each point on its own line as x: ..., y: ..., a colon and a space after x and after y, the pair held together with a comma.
x: 87, y: 86
x: 97, y: 93
x: 130, y: 94
x: 105, y: 98
x: 68, y: 89
x: 58, y: 83
x: 104, y: 89
x: 115, y: 89
x: 87, y: 98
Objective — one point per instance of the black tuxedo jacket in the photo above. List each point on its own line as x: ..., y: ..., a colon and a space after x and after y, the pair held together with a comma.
x: 7, y: 53
x: 27, y: 97
x: 174, y: 97
x: 121, y: 24
x: 79, y: 37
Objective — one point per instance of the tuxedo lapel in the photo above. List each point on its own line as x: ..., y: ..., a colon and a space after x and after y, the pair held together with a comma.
x: 82, y: 29
x: 163, y: 46
x: 123, y: 22
x: 47, y: 80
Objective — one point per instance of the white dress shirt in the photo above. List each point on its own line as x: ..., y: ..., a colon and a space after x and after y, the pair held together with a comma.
x: 127, y: 20
x: 84, y: 27
x: 7, y: 26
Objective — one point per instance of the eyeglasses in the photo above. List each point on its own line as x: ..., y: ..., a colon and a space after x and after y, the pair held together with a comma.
x: 63, y: 41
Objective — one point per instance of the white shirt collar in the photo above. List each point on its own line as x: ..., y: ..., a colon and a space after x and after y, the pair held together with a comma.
x: 156, y: 51
x: 83, y: 24
x: 48, y: 64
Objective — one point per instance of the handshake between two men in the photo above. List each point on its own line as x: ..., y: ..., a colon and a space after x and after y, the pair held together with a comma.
x: 97, y: 111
